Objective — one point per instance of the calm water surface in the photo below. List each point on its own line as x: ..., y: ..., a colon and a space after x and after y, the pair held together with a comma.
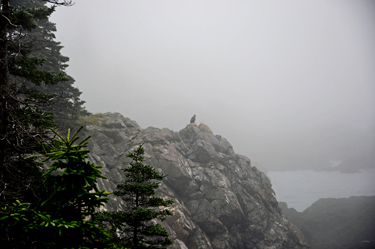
x: 299, y: 189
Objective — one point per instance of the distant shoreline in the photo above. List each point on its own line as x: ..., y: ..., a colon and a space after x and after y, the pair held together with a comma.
x: 301, y: 188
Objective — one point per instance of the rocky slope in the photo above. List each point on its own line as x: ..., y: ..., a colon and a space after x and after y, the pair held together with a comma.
x: 330, y: 223
x: 221, y: 201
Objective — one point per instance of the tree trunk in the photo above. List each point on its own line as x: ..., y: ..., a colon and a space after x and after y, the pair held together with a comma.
x: 135, y: 229
x: 4, y: 88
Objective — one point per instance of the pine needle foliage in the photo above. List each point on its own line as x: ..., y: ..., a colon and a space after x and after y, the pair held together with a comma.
x: 134, y: 226
x: 71, y: 191
x: 69, y: 197
x: 35, y: 93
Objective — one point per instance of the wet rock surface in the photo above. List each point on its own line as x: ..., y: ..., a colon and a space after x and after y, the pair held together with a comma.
x: 221, y: 201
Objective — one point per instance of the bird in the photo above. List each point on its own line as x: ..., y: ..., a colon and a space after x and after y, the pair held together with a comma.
x: 192, y: 120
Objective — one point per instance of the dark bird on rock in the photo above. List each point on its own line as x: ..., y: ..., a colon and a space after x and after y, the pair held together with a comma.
x: 192, y: 120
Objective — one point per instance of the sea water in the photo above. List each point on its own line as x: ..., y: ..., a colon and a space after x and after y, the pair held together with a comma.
x: 299, y: 189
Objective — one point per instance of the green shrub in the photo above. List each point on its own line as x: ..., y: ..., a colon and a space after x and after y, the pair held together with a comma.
x: 93, y: 119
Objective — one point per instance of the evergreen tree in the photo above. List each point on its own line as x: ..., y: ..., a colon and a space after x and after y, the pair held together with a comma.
x: 32, y: 85
x: 22, y: 122
x: 70, y: 197
x: 65, y: 103
x: 29, y: 88
x: 70, y: 191
x: 133, y: 225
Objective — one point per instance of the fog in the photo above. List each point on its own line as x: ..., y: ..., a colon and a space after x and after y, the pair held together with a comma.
x: 290, y: 84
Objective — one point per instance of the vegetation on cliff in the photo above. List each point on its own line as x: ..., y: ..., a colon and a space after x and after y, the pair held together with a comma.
x: 224, y: 201
x: 41, y: 209
x: 68, y: 198
x: 35, y: 93
x: 132, y: 225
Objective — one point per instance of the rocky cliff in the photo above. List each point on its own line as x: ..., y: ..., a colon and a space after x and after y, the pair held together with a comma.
x: 221, y: 201
x: 330, y: 223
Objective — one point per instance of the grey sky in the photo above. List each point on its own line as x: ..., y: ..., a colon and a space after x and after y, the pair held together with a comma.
x: 284, y: 81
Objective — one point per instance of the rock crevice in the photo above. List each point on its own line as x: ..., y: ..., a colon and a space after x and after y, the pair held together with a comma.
x: 221, y: 201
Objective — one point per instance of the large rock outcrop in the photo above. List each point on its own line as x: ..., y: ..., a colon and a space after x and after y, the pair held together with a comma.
x: 343, y: 223
x: 221, y: 201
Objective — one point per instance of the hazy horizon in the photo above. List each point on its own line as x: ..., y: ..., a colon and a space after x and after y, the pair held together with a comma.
x: 290, y: 84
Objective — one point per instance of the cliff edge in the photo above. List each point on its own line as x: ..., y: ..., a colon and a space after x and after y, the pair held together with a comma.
x: 221, y: 201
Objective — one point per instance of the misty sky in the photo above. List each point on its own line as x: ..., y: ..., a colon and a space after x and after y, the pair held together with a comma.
x: 286, y: 82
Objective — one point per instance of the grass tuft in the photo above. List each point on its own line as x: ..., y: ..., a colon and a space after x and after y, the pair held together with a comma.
x: 93, y: 119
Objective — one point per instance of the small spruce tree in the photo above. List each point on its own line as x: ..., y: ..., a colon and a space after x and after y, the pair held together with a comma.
x: 69, y: 199
x: 134, y: 226
x: 71, y: 192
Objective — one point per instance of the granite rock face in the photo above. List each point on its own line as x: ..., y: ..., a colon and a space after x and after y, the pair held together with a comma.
x: 221, y: 201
